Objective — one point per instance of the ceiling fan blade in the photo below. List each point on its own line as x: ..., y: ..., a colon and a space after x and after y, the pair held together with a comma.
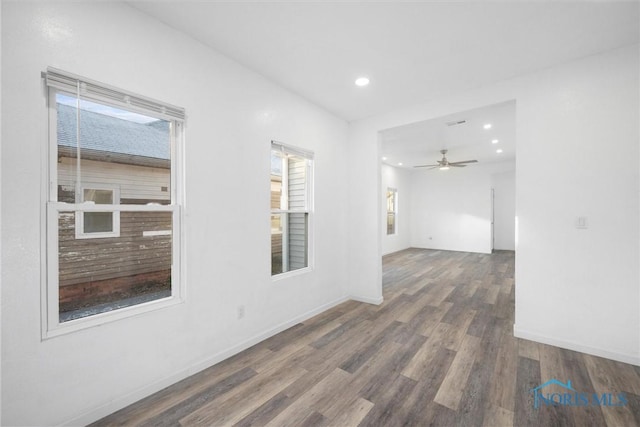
x: 426, y: 166
x: 453, y: 165
x: 464, y: 161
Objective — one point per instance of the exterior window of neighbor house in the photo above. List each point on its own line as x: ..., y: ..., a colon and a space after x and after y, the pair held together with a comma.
x: 93, y: 225
x: 291, y: 208
x: 113, y: 208
x: 392, y: 210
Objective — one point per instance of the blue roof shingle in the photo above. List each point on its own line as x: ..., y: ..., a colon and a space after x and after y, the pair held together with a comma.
x: 100, y: 132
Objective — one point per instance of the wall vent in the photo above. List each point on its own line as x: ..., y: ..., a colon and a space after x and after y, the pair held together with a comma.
x: 456, y: 123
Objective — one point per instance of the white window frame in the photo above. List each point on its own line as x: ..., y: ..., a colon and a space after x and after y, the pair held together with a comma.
x: 284, y: 209
x: 394, y: 211
x: 80, y: 231
x: 51, y: 325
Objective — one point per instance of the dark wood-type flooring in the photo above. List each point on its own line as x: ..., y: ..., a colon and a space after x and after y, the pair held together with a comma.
x: 439, y: 351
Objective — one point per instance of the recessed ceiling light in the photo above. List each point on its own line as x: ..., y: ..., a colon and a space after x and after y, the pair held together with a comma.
x: 384, y: 158
x: 400, y: 164
x: 487, y: 126
x: 362, y: 81
x: 499, y: 150
x: 494, y: 141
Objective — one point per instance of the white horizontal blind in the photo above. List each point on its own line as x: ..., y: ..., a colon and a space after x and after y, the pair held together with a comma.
x: 91, y: 89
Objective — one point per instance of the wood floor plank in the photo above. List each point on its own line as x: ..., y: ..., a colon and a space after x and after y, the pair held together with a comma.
x: 373, y: 379
x: 496, y: 416
x: 475, y: 396
x: 314, y: 419
x: 634, y: 406
x: 178, y: 393
x: 353, y: 414
x: 528, y: 349
x: 576, y: 370
x: 416, y: 307
x: 359, y: 358
x: 434, y: 319
x: 439, y: 351
x: 525, y: 413
x: 418, y: 364
x: 291, y: 355
x: 244, y: 399
x: 491, y: 297
x: 504, y: 378
x: 451, y: 389
x: 266, y: 412
x: 552, y: 367
x: 427, y: 387
x: 603, y: 377
x: 172, y: 415
x: 299, y: 409
x: 458, y: 331
x: 384, y: 412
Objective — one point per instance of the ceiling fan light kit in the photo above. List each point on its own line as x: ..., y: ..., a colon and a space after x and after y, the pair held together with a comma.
x: 445, y: 164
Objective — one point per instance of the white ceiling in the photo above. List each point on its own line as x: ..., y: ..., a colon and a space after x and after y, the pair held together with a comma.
x: 412, y: 51
x: 420, y: 143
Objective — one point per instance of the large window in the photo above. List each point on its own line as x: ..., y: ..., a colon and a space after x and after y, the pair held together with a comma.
x: 113, y: 208
x: 291, y: 208
x: 392, y: 210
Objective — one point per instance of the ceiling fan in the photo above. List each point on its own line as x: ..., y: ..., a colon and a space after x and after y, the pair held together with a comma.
x: 445, y: 164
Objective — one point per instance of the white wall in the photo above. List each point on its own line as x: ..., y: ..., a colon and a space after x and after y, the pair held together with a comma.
x: 399, y: 179
x: 504, y: 205
x: 451, y: 210
x: 233, y: 114
x: 1, y: 275
x: 364, y: 215
x: 578, y: 289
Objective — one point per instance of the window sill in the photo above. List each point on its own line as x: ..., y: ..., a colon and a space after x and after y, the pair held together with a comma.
x: 110, y: 316
x: 289, y: 274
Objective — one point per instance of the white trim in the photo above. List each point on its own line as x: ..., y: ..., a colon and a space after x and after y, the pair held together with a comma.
x: 122, y: 401
x: 108, y: 316
x: 569, y: 345
x: 51, y: 325
x: 291, y: 273
x: 290, y: 149
x: 394, y: 211
x: 152, y: 233
x: 285, y: 151
x: 88, y: 207
x: 101, y: 92
x: 375, y: 301
x: 284, y: 205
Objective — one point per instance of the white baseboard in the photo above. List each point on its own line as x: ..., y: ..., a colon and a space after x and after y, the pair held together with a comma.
x: 368, y: 300
x: 126, y: 400
x: 625, y: 358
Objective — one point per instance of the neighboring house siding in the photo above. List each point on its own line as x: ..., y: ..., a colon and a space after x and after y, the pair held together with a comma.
x: 136, y: 183
x: 122, y: 263
x: 130, y: 254
x: 276, y: 232
x: 297, y: 222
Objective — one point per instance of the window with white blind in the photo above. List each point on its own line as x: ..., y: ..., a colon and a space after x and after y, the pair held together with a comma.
x: 113, y: 204
x: 392, y: 210
x: 291, y: 208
